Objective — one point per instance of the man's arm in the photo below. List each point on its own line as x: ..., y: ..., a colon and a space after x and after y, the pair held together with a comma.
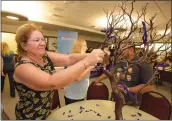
x: 103, y: 76
x: 139, y: 88
x: 146, y: 72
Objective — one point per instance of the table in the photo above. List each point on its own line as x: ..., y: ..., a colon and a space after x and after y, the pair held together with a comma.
x: 97, y: 110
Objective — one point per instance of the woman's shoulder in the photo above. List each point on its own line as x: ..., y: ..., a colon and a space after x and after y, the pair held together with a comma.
x: 23, y: 62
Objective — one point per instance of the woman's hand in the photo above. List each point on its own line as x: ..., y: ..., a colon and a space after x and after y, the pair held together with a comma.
x: 96, y: 56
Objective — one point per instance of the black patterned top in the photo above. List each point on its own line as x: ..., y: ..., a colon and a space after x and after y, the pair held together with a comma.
x: 34, y: 104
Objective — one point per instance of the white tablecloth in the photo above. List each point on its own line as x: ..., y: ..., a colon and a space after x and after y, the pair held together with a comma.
x: 97, y: 110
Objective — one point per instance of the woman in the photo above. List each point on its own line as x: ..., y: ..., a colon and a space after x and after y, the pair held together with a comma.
x: 107, y: 64
x: 2, y: 66
x: 8, y: 68
x: 76, y: 91
x: 35, y: 76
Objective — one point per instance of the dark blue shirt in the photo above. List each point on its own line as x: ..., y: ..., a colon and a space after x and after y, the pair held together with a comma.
x: 137, y: 74
x: 8, y: 62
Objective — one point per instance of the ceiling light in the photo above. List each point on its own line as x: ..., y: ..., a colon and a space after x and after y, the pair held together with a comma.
x: 122, y: 24
x: 12, y: 17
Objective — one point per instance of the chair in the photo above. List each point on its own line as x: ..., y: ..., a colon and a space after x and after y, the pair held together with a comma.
x: 56, y: 101
x: 98, y: 91
x: 166, y: 76
x: 156, y: 104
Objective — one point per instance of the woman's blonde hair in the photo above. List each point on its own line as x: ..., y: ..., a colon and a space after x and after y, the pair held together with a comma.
x: 5, y: 48
x: 78, y: 45
x: 22, y: 35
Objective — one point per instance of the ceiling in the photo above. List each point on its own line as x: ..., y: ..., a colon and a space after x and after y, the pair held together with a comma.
x: 82, y: 16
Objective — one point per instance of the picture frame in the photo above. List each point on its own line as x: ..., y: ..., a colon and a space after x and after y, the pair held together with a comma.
x: 52, y: 44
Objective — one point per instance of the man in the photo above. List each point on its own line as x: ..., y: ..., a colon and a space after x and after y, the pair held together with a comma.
x: 137, y: 75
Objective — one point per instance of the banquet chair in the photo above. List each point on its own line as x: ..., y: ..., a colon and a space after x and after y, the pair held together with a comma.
x: 56, y: 101
x: 97, y: 91
x: 166, y: 76
x: 156, y: 104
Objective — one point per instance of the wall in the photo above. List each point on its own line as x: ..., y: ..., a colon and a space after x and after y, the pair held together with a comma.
x: 12, y: 29
x: 9, y: 38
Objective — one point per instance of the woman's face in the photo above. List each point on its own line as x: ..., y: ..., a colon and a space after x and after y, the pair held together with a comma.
x: 84, y: 47
x: 36, y: 44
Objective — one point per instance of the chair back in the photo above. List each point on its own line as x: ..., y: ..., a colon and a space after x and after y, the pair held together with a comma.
x: 56, y: 101
x: 166, y: 76
x: 156, y: 104
x: 98, y: 91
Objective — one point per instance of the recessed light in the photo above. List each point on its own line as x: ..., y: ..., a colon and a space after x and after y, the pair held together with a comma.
x: 12, y: 17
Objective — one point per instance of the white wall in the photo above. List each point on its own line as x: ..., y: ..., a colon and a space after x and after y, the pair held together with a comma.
x: 11, y: 28
x: 9, y: 38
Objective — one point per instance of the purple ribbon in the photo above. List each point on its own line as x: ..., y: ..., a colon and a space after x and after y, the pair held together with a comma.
x: 129, y: 93
x: 144, y: 33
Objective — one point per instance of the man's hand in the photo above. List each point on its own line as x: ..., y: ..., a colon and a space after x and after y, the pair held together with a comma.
x: 96, y: 81
x: 121, y: 89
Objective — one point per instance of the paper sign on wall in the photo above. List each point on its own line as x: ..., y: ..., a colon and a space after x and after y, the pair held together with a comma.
x: 66, y: 40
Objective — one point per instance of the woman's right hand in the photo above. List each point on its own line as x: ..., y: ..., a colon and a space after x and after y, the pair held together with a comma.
x: 96, y: 56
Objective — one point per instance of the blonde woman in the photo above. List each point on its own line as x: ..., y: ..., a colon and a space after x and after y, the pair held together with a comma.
x: 76, y: 91
x: 35, y: 76
x: 8, y: 68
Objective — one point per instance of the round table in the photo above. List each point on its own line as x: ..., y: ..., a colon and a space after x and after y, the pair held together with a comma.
x: 97, y: 110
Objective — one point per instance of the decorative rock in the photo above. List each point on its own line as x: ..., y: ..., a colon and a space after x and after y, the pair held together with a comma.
x: 139, y: 114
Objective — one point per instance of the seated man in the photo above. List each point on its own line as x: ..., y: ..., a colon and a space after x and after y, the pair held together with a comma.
x: 137, y: 75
